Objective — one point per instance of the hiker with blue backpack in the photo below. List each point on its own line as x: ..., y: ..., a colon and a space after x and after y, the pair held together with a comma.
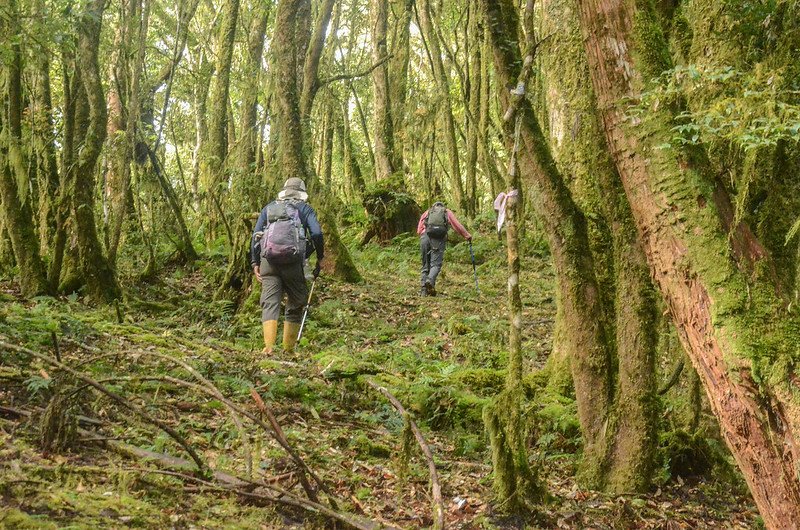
x: 432, y: 229
x: 286, y: 233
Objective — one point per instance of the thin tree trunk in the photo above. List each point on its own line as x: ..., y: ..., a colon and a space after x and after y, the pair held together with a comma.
x: 735, y: 330
x: 382, y: 113
x: 474, y: 44
x: 443, y: 87
x: 485, y: 153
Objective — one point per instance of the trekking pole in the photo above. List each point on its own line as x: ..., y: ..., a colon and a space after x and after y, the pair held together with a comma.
x: 305, y: 312
x: 474, y: 269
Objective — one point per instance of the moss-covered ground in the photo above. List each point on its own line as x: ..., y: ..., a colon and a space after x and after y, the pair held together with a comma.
x: 442, y: 357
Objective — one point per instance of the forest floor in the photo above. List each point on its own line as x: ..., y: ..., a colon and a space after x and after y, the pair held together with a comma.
x: 442, y: 357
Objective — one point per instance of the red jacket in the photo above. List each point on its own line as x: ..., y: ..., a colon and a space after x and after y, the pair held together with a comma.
x: 451, y: 218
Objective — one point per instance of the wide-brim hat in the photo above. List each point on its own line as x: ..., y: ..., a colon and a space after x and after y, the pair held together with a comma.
x: 294, y: 188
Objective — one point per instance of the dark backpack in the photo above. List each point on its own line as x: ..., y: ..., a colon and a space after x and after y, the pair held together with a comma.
x: 436, y: 224
x: 284, y: 239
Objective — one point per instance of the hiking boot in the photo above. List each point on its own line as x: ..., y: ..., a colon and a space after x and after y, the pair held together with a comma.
x: 270, y: 334
x: 430, y: 290
x: 290, y: 330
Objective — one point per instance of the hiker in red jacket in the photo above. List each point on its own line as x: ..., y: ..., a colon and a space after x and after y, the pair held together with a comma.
x: 432, y: 228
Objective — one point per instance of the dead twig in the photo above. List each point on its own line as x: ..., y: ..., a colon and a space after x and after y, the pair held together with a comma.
x: 217, y: 393
x: 436, y: 489
x: 281, y: 438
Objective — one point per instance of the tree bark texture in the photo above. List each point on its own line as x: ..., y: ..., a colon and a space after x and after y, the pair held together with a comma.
x: 212, y: 172
x: 398, y: 76
x: 735, y: 333
x: 291, y: 155
x: 382, y: 113
x: 313, y: 57
x: 101, y: 284
x: 579, y: 147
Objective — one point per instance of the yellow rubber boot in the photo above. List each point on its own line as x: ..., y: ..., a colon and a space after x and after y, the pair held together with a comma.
x: 270, y: 335
x: 290, y: 330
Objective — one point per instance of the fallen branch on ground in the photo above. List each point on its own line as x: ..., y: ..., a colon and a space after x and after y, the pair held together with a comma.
x: 436, y: 489
x: 180, y: 440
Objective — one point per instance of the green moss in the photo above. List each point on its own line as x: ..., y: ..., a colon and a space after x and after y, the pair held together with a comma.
x: 651, y: 53
x: 364, y: 446
x: 516, y: 483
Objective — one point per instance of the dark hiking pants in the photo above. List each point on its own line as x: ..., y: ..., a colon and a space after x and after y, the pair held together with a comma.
x: 432, y: 251
x: 279, y: 279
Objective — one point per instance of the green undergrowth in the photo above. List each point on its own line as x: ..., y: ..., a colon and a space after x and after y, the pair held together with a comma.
x: 443, y: 357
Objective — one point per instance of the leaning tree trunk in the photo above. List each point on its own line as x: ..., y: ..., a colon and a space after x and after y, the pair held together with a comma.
x: 101, y: 283
x: 737, y: 329
x: 16, y: 206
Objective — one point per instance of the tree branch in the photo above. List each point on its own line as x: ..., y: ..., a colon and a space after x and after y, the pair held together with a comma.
x: 366, y: 72
x: 436, y: 489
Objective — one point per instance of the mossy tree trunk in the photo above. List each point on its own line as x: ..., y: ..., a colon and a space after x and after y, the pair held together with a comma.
x: 382, y: 114
x: 212, y: 162
x: 586, y: 337
x: 313, y: 56
x: 16, y: 202
x: 398, y: 76
x: 247, y: 189
x: 516, y: 483
x: 45, y: 146
x: 620, y: 264
x: 119, y: 190
x: 101, y: 283
x: 474, y: 43
x: 291, y: 154
x: 485, y: 151
x: 735, y: 327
